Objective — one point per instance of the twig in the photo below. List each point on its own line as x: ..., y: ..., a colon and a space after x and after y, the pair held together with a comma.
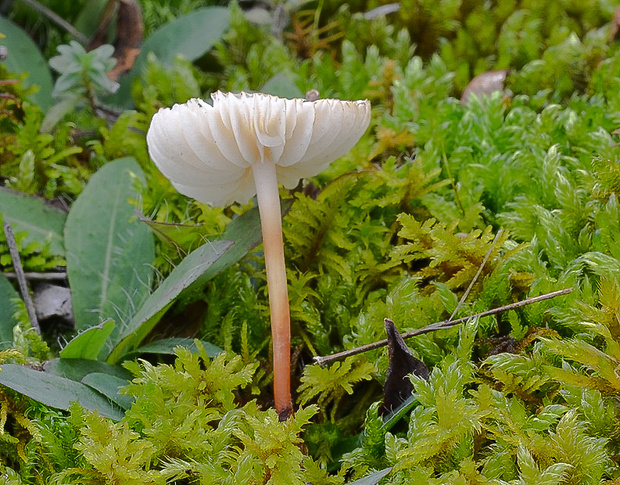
x: 477, y: 275
x: 54, y: 17
x: 21, y: 279
x: 456, y: 192
x: 322, y: 360
x: 54, y: 276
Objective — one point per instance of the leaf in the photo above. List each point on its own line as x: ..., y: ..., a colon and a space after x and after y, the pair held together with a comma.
x: 245, y: 232
x: 373, y: 478
x: 398, y: 388
x: 394, y: 416
x: 7, y: 310
x: 281, y: 85
x: 109, y: 386
x: 485, y: 84
x: 129, y: 32
x: 88, y: 344
x: 77, y: 369
x: 59, y: 111
x: 54, y: 391
x: 241, y: 235
x: 89, y: 17
x: 24, y: 57
x: 41, y: 221
x: 166, y: 346
x: 190, y: 35
x: 178, y: 235
x: 109, y: 251
x: 192, y: 268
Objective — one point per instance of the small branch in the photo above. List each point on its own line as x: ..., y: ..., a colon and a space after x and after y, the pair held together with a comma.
x: 62, y: 23
x: 456, y: 192
x: 57, y: 276
x: 21, y: 279
x: 477, y: 275
x: 322, y: 360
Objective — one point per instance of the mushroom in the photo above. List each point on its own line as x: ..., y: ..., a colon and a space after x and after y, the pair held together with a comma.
x: 243, y: 145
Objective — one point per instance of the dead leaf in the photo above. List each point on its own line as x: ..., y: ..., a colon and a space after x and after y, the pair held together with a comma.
x: 397, y: 386
x: 485, y: 84
x: 129, y: 33
x: 615, y: 25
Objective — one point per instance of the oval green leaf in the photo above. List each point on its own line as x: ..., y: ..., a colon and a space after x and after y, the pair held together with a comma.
x: 77, y: 369
x: 31, y: 214
x: 54, y: 391
x: 109, y: 386
x: 109, y: 251
x: 88, y: 344
x: 7, y: 311
x: 24, y: 57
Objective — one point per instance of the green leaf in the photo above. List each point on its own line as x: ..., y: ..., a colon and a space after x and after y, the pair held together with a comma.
x: 58, y: 112
x: 7, y: 310
x: 281, y: 85
x: 54, y: 391
x: 176, y: 234
x: 373, y: 478
x: 109, y: 386
x: 449, y: 299
x: 24, y: 57
x: 77, y: 369
x: 89, y: 18
x: 166, y: 346
x: 88, y: 344
x: 190, y: 35
x: 41, y: 221
x: 109, y: 251
x: 195, y: 266
x: 240, y: 236
x: 245, y: 233
x: 395, y: 415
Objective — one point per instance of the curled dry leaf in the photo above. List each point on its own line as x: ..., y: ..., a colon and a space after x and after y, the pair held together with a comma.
x: 129, y: 33
x: 397, y: 386
x: 615, y: 25
x: 485, y: 84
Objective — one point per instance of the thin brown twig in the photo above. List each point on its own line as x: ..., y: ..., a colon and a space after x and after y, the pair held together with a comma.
x: 21, y: 279
x: 477, y: 275
x: 327, y: 359
x: 52, y: 276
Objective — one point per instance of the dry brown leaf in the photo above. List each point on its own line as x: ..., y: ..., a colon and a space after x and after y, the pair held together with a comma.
x: 485, y: 84
x: 129, y: 34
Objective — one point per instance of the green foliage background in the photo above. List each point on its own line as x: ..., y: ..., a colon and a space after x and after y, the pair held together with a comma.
x: 397, y: 228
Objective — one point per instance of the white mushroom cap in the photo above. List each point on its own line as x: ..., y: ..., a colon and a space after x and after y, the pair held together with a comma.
x: 207, y: 151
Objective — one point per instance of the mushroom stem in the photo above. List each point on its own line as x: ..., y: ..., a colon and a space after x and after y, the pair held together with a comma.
x: 271, y: 223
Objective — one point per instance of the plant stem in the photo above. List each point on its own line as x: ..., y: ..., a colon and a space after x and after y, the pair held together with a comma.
x: 58, y: 20
x: 271, y: 224
x: 19, y: 271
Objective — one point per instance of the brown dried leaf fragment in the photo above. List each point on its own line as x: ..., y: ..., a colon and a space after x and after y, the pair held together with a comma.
x: 486, y: 83
x: 615, y: 25
x: 397, y: 386
x: 129, y: 34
